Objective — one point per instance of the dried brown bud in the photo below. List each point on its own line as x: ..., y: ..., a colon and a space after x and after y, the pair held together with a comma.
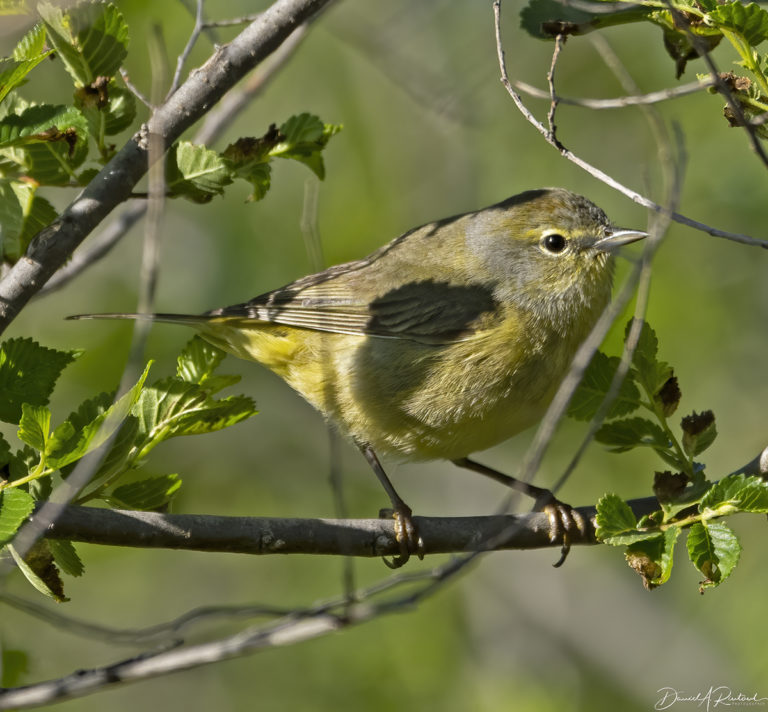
x: 668, y: 486
x: 669, y: 396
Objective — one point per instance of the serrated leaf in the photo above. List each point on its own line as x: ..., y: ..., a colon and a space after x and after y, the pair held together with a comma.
x: 616, y: 522
x: 750, y: 21
x: 36, y: 213
x: 699, y: 432
x: 40, y: 570
x: 304, y: 136
x: 15, y: 506
x: 92, y: 425
x: 171, y: 408
x: 594, y: 387
x: 32, y: 45
x: 66, y: 557
x: 11, y: 219
x: 34, y: 426
x: 198, y: 360
x: 22, y: 463
x: 714, y: 550
x: 623, y: 435
x: 90, y: 38
x: 152, y: 494
x: 50, y: 142
x: 196, y: 172
x: 13, y: 73
x: 652, y: 559
x: 28, y: 374
x: 652, y: 374
x: 736, y: 493
x: 109, y: 109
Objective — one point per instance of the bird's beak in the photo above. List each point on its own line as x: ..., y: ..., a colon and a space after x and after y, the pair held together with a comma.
x: 619, y: 238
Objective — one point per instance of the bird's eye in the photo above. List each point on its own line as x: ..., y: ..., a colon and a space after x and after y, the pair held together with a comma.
x: 554, y: 243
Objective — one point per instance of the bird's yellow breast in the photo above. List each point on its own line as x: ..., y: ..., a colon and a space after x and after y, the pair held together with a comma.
x: 407, y: 398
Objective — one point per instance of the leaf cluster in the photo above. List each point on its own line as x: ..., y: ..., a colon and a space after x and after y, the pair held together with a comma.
x: 47, y: 145
x: 689, y: 27
x: 687, y: 500
x: 111, y: 435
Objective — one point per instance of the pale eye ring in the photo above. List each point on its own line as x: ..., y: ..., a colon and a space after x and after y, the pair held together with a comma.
x: 553, y: 243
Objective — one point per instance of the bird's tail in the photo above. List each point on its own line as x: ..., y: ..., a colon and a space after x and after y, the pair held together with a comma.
x: 188, y: 319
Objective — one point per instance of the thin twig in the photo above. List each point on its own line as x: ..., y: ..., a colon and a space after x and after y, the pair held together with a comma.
x: 596, y: 172
x: 182, y: 59
x: 553, y: 99
x: 231, y: 22
x: 621, y: 102
x: 134, y: 89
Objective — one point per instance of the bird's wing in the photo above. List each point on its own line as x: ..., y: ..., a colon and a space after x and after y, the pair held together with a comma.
x: 338, y: 301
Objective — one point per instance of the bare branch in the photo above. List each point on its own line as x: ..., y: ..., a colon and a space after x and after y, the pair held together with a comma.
x: 621, y: 102
x: 339, y: 537
x: 115, y: 182
x: 596, y: 172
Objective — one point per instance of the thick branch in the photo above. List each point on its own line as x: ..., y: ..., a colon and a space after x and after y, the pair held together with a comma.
x: 115, y: 182
x: 343, y: 537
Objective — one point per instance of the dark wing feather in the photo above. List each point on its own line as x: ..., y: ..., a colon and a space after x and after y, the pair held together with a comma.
x: 338, y: 301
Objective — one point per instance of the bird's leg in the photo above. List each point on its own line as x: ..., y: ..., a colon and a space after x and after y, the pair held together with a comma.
x: 564, y: 521
x: 405, y: 530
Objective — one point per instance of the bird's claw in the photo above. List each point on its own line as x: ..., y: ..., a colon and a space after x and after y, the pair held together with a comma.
x: 565, y: 523
x: 406, y: 536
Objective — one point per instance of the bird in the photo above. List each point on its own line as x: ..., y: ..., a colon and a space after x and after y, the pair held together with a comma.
x: 450, y: 339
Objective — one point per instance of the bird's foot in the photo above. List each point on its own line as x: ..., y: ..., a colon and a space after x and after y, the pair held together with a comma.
x: 406, y: 535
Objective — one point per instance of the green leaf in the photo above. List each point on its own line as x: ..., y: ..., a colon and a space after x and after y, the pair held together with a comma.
x: 652, y: 559
x: 16, y: 231
x: 32, y: 45
x: 66, y: 557
x: 699, y: 432
x: 13, y: 73
x: 594, y: 387
x: 545, y: 19
x: 26, y: 56
x: 623, y: 435
x: 196, y: 172
x: 750, y: 21
x: 652, y: 374
x: 170, y: 408
x: 109, y: 109
x: 198, y: 360
x: 51, y: 142
x: 90, y: 38
x: 11, y: 219
x: 736, y: 493
x: 152, y: 494
x: 28, y: 374
x: 15, y: 507
x: 616, y: 522
x: 40, y: 570
x: 303, y: 137
x: 714, y: 550
x: 35, y: 426
x: 249, y: 158
x: 91, y: 425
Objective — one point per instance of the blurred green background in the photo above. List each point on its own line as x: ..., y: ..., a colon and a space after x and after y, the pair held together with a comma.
x: 429, y: 132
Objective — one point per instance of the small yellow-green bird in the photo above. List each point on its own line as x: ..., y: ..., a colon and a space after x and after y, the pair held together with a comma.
x: 448, y: 340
